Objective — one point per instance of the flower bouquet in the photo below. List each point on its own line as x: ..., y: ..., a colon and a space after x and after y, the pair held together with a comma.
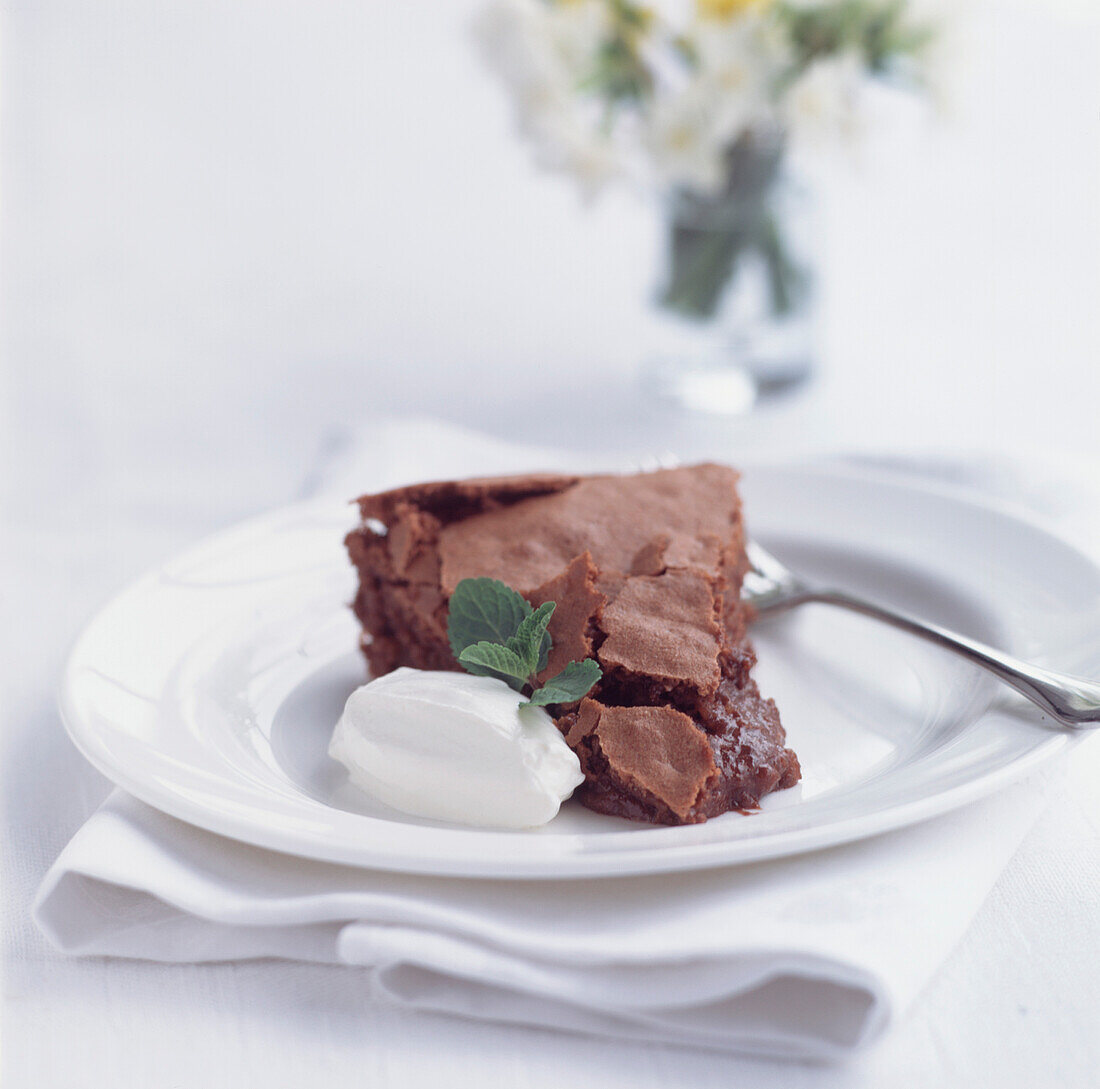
x: 699, y: 105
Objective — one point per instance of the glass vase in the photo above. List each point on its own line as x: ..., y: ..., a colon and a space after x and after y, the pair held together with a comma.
x: 735, y: 303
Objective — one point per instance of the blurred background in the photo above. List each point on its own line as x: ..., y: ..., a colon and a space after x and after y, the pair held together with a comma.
x: 233, y: 233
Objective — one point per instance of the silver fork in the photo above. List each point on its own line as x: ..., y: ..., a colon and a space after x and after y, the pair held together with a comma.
x: 771, y: 588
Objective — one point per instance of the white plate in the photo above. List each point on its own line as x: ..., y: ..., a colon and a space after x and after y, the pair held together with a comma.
x: 210, y: 687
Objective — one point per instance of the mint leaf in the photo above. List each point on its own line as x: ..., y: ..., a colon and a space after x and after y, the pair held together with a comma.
x: 573, y: 682
x: 494, y: 632
x: 492, y: 660
x: 532, y: 641
x: 483, y: 611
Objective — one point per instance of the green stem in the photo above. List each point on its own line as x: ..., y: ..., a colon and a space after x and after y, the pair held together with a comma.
x: 709, y: 234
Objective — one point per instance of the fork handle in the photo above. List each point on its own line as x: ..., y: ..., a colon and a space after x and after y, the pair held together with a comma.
x: 1073, y: 701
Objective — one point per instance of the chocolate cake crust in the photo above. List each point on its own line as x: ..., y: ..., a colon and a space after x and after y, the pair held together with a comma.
x: 646, y: 571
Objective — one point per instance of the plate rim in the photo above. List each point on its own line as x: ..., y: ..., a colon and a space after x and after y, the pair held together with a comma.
x: 576, y: 865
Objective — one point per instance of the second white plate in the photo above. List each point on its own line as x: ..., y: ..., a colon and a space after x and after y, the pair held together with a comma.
x: 209, y: 688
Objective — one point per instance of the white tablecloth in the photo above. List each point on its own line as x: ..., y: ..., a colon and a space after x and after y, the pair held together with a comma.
x: 213, y: 271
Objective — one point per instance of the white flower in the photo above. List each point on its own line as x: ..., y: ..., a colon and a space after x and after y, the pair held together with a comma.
x: 577, y: 29
x: 685, y: 148
x: 822, y: 104
x: 659, y: 96
x: 543, y: 51
x: 563, y: 141
x: 515, y: 39
x: 727, y: 91
x: 737, y: 61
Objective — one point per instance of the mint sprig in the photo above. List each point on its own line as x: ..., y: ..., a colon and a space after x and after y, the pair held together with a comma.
x: 574, y: 681
x: 494, y: 632
x: 493, y: 660
x: 484, y: 610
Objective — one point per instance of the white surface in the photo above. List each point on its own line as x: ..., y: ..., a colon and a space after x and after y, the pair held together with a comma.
x: 799, y: 959
x: 210, y: 688
x: 452, y: 747
x: 212, y: 268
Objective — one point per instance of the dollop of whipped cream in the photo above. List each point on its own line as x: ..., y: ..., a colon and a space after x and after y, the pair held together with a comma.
x: 455, y: 747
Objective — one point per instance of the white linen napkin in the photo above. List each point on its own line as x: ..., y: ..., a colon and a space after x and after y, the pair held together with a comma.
x: 809, y: 957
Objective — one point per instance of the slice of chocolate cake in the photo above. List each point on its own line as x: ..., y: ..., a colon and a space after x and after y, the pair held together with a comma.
x: 646, y: 571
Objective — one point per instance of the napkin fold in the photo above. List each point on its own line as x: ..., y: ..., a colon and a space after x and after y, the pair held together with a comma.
x: 806, y: 958
x: 809, y: 957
